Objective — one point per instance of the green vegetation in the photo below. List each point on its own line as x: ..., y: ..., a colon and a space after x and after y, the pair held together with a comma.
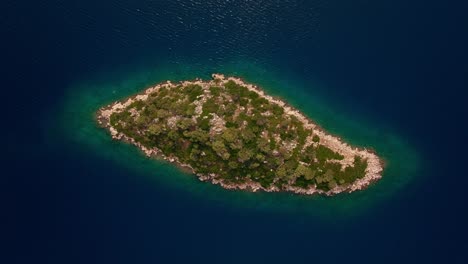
x: 236, y: 134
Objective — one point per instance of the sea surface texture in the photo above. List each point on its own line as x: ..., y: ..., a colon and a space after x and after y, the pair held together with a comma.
x: 386, y: 75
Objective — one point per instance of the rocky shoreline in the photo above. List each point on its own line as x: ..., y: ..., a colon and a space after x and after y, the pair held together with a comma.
x: 373, y: 171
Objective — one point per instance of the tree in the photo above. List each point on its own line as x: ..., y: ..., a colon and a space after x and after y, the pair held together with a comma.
x: 285, y: 153
x: 254, y: 165
x: 215, y: 91
x: 247, y: 134
x: 244, y: 154
x: 263, y: 145
x: 281, y: 171
x: 197, y: 135
x: 332, y: 184
x: 142, y: 120
x: 236, y: 144
x: 163, y: 113
x: 260, y: 157
x: 230, y: 135
x: 155, y: 129
x: 253, y: 95
x: 210, y: 106
x: 193, y: 91
x: 301, y: 170
x: 220, y: 149
x: 309, y: 174
x: 233, y: 165
x: 173, y: 135
x: 204, y: 123
x: 194, y: 154
x: 184, y: 123
x: 277, y: 110
x: 190, y: 110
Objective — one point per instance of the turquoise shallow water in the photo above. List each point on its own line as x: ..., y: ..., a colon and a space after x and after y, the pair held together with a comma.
x: 83, y: 100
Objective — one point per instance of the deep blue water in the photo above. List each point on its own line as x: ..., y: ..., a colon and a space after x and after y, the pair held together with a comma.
x: 401, y: 66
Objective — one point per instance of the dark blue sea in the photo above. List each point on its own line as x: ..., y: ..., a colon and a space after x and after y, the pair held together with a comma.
x: 389, y: 75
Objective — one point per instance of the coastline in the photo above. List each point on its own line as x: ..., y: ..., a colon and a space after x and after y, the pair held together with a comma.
x: 373, y: 171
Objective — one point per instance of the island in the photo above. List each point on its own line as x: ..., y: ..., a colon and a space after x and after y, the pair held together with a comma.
x: 231, y: 133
